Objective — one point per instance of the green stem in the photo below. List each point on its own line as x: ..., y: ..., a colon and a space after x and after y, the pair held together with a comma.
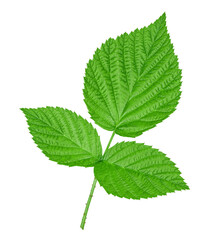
x: 88, y: 204
x: 108, y: 145
x: 92, y: 189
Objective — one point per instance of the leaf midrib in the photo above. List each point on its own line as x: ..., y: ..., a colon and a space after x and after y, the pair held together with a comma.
x: 62, y: 135
x: 139, y: 172
x: 138, y: 74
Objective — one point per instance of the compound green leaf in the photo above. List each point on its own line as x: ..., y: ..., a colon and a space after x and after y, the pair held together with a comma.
x: 63, y: 136
x: 134, y: 170
x: 133, y: 82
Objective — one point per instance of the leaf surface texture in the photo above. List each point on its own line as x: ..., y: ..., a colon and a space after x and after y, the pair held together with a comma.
x: 63, y: 136
x: 133, y: 82
x: 134, y: 170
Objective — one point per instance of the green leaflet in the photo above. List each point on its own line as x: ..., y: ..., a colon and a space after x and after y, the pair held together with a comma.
x: 63, y: 136
x: 132, y: 83
x: 134, y: 170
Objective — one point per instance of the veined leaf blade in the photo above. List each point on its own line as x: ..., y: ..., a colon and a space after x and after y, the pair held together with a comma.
x: 63, y: 136
x: 134, y: 170
x: 133, y: 82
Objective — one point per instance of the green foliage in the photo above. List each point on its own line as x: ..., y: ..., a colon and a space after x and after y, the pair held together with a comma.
x: 133, y: 82
x: 134, y: 170
x: 63, y: 136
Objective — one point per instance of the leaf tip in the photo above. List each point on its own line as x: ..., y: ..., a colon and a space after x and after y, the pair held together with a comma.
x: 186, y: 187
x: 23, y: 110
x: 164, y: 15
x: 161, y: 19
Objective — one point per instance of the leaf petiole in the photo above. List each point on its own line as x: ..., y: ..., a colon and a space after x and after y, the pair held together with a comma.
x: 88, y: 204
x: 108, y: 145
x: 83, y: 221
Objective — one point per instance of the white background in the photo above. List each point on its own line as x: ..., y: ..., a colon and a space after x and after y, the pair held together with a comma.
x: 44, y: 48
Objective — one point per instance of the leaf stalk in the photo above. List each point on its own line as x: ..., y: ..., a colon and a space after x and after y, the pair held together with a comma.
x: 88, y: 204
x: 83, y: 221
